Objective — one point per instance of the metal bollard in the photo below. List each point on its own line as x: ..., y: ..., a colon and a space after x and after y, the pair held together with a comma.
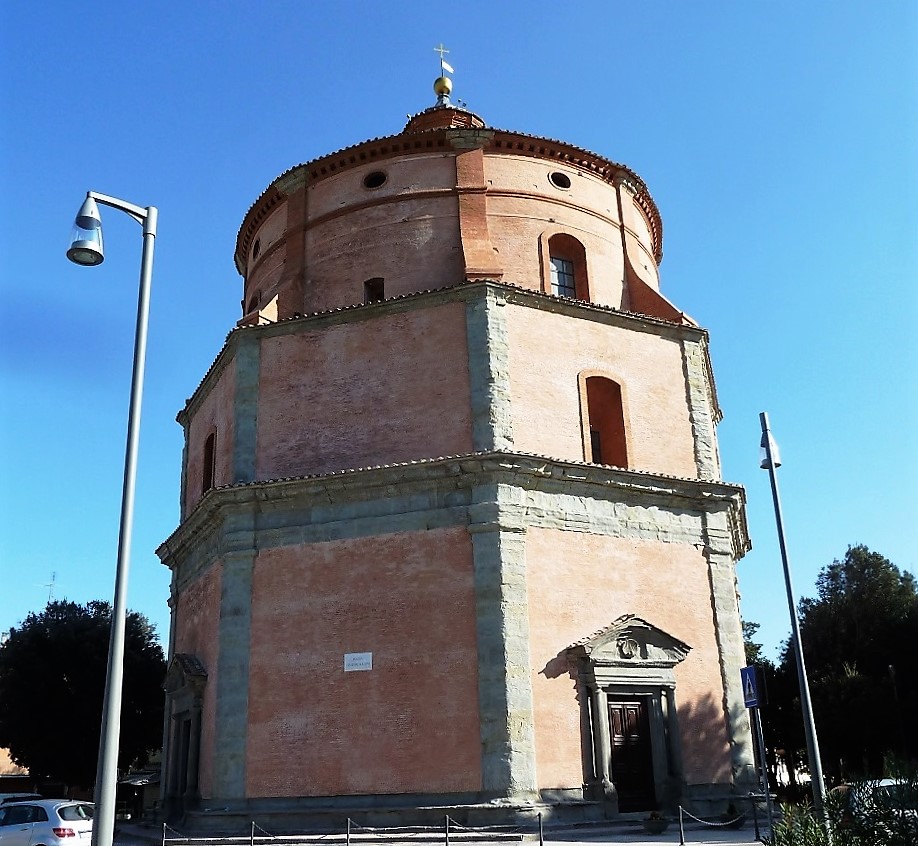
x: 348, y: 831
x: 446, y: 819
x: 681, y: 827
x: 541, y: 832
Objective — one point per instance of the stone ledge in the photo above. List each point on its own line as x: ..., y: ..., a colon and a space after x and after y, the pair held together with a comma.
x: 517, y: 489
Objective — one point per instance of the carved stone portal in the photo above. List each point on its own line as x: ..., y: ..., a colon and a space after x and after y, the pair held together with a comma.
x: 186, y: 679
x: 627, y: 669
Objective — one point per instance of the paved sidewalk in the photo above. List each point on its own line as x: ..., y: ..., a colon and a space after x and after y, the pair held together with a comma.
x: 634, y: 833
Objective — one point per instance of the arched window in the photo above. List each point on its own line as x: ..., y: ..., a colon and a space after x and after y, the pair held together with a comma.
x: 604, y: 436
x: 566, y: 267
x: 207, y: 467
x: 374, y: 290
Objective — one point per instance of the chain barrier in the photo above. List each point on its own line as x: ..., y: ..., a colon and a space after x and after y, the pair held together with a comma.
x: 233, y: 841
x: 509, y: 829
x: 401, y: 831
x: 287, y: 838
x: 384, y: 834
x: 736, y: 822
x: 724, y: 824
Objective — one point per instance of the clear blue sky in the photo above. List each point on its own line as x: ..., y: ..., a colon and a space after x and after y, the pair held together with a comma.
x: 778, y: 139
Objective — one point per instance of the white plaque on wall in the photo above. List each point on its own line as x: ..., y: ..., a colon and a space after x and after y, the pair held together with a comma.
x: 357, y: 661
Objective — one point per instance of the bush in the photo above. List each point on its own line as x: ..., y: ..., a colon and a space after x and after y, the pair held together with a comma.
x: 861, y: 815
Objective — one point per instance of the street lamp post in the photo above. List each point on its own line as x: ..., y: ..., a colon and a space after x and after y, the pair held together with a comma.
x: 770, y: 461
x: 86, y: 249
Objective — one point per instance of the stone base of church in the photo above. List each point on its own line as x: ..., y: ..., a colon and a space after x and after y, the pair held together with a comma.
x: 331, y: 813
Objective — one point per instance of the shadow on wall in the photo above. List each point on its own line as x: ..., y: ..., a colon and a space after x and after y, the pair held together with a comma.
x: 558, y: 666
x: 703, y: 724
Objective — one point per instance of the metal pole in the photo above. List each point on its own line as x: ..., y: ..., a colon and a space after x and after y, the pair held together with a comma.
x: 541, y: 831
x: 760, y: 738
x: 348, y: 831
x: 103, y: 829
x: 446, y: 822
x: 809, y: 726
x: 681, y: 828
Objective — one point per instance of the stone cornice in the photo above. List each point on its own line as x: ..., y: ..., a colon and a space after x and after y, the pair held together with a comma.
x: 450, y: 476
x: 463, y: 292
x: 494, y: 141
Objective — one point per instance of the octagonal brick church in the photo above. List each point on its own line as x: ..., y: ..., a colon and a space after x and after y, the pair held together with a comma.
x: 453, y: 528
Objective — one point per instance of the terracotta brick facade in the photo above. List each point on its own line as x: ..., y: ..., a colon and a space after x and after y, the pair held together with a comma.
x: 410, y: 724
x: 413, y: 483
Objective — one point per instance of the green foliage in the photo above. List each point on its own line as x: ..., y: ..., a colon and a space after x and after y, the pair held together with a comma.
x: 858, y: 637
x: 753, y: 649
x: 882, y: 822
x: 52, y: 681
x: 799, y: 827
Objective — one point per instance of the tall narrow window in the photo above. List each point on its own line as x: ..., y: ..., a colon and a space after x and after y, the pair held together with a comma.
x: 606, y: 421
x: 207, y: 469
x: 566, y: 267
x: 562, y: 277
x: 374, y: 290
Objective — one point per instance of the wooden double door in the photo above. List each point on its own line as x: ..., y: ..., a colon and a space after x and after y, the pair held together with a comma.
x: 631, y: 767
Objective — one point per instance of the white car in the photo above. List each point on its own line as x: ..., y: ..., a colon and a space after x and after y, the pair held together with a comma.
x: 46, y: 822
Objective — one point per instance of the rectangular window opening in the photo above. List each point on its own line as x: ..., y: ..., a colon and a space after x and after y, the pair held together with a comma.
x: 562, y: 277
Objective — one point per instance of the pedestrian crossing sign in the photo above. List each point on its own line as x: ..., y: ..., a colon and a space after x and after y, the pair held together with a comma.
x: 753, y: 691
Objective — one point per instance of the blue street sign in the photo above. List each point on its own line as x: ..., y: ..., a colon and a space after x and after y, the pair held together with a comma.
x: 752, y: 697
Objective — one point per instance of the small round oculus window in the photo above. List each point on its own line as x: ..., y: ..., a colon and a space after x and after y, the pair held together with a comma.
x: 560, y: 180
x: 374, y: 179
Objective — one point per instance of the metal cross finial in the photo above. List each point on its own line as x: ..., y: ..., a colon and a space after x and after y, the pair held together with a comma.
x: 445, y: 67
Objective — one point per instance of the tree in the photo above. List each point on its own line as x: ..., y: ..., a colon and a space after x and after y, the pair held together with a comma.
x: 859, y: 635
x: 52, y: 680
x: 753, y: 650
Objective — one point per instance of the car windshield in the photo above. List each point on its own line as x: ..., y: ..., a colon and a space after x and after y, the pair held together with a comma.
x: 75, y: 812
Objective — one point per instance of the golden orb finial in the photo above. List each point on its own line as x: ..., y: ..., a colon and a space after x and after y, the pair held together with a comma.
x: 443, y: 85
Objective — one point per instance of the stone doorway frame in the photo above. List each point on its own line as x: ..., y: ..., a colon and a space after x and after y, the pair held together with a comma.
x: 186, y: 679
x: 632, y: 658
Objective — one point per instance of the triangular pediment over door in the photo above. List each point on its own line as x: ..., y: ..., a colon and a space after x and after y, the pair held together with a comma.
x: 185, y: 673
x: 630, y: 651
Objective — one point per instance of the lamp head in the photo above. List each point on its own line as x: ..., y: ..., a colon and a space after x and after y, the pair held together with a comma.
x: 768, y: 445
x: 86, y: 238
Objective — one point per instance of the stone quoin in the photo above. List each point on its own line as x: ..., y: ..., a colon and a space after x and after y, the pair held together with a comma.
x: 453, y: 529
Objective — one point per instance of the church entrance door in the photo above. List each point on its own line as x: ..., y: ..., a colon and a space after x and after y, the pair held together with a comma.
x: 631, y: 767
